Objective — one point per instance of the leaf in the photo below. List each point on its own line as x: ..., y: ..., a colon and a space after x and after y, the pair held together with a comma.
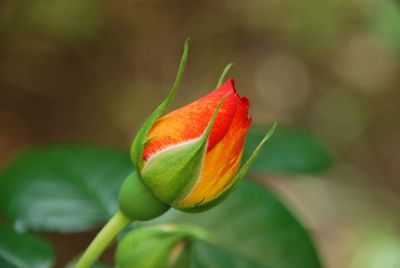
x: 289, y: 150
x: 70, y: 188
x: 23, y: 250
x: 209, y: 255
x: 63, y: 188
x: 253, y: 225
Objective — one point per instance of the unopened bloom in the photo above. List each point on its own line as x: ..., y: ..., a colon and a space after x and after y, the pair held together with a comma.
x: 197, y: 176
x: 159, y: 246
x: 188, y: 159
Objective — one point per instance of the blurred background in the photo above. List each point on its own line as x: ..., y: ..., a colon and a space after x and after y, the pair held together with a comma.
x: 91, y: 70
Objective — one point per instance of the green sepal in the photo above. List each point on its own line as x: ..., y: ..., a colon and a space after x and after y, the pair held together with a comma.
x: 139, y: 141
x: 159, y: 246
x: 137, y: 202
x: 235, y: 182
x: 173, y: 172
x: 222, y: 77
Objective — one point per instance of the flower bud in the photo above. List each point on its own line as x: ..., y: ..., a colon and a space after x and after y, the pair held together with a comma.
x: 158, y: 246
x: 190, y: 157
x: 194, y: 153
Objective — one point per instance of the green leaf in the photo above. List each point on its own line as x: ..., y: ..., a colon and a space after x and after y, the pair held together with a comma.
x: 63, y: 188
x: 69, y: 188
x: 289, y: 151
x: 253, y: 225
x: 23, y: 250
x: 209, y: 255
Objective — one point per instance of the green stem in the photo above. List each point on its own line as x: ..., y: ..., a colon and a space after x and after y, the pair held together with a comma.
x: 103, y: 239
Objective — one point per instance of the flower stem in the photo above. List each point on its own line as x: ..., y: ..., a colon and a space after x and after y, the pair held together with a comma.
x: 103, y: 239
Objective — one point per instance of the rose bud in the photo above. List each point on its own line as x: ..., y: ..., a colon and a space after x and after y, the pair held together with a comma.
x: 183, y: 164
x: 159, y: 246
x: 189, y: 158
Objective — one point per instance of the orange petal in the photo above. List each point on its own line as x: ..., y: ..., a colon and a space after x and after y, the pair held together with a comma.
x: 190, y: 121
x: 223, y: 161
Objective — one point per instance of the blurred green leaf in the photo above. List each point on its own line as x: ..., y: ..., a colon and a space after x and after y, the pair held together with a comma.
x: 253, y: 225
x: 289, y: 151
x: 70, y: 188
x: 63, y: 188
x: 209, y: 255
x: 23, y: 250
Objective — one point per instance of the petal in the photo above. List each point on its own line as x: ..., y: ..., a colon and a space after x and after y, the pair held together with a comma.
x: 190, y: 121
x: 223, y: 161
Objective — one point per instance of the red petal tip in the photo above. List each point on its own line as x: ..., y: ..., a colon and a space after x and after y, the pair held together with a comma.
x: 231, y: 82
